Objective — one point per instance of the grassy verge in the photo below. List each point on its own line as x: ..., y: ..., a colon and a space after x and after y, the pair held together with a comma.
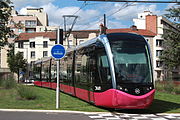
x: 45, y: 100
x: 163, y: 103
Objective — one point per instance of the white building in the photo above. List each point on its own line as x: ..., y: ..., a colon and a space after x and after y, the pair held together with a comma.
x: 36, y: 45
x: 156, y: 24
x: 35, y: 20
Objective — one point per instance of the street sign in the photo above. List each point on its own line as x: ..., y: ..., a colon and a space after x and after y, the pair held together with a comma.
x: 58, y: 51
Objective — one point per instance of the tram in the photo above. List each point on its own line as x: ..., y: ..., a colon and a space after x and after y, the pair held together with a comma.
x: 112, y: 71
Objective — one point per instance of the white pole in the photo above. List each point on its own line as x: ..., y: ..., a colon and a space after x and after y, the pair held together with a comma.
x: 57, y: 87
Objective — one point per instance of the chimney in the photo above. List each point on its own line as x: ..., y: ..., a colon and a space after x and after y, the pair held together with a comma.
x: 102, y: 29
x: 151, y: 23
x: 134, y: 28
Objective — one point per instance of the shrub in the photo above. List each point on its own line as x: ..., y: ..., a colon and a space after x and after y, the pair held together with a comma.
x: 159, y: 86
x: 26, y: 92
x: 0, y: 82
x: 8, y: 83
x: 177, y: 90
x: 169, y: 86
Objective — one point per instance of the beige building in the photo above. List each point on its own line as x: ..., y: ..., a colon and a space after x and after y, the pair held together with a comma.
x: 156, y: 24
x: 36, y: 20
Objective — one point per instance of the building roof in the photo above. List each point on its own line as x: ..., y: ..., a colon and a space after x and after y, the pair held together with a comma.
x: 146, y: 33
x: 27, y: 36
x: 83, y: 33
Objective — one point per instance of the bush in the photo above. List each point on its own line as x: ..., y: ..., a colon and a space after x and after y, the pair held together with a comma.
x: 159, y: 86
x: 8, y: 83
x: 177, y: 90
x: 1, y: 82
x: 167, y: 86
x: 26, y: 92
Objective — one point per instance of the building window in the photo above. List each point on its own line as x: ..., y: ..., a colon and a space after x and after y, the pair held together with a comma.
x: 30, y: 30
x: 32, y: 54
x: 20, y: 30
x: 159, y: 64
x: 30, y: 23
x: 32, y: 44
x: 158, y: 53
x: 45, y: 44
x: 45, y: 53
x: 20, y: 44
x: 159, y: 42
x: 81, y: 41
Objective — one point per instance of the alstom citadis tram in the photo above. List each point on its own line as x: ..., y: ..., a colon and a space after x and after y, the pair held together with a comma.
x: 112, y: 71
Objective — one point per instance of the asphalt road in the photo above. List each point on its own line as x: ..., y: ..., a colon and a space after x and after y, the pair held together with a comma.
x: 73, y: 115
x: 4, y: 115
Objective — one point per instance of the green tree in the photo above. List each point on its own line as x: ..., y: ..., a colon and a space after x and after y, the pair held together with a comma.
x: 16, y: 62
x: 171, y: 53
x: 5, y: 12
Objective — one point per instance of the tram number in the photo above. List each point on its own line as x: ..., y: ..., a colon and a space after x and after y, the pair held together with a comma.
x: 97, y: 88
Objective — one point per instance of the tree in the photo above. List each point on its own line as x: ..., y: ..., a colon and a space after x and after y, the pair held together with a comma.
x: 5, y: 12
x: 16, y: 62
x: 171, y: 53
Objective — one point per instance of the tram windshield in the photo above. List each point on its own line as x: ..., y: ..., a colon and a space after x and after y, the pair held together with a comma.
x: 132, y: 61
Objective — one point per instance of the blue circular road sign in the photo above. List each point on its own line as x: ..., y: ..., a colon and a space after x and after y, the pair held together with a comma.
x: 58, y: 51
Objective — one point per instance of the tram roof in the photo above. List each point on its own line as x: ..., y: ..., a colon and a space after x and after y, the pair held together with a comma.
x: 44, y: 59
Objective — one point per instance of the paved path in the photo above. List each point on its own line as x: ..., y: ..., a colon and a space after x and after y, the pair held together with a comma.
x: 16, y: 114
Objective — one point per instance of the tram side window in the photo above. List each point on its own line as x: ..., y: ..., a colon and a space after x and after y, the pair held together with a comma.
x: 81, y: 68
x: 103, y: 68
x: 37, y: 70
x: 63, y: 70
x: 45, y: 72
x: 53, y: 71
x: 69, y: 67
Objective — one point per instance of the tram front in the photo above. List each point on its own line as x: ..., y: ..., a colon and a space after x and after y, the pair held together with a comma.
x: 132, y: 71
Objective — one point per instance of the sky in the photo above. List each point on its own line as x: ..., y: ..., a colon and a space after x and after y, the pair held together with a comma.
x: 90, y: 14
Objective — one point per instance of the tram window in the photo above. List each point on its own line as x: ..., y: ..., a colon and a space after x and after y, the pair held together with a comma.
x: 83, y: 70
x: 45, y: 71
x: 53, y: 71
x: 37, y: 70
x: 63, y: 70
x: 132, y: 64
x: 103, y: 68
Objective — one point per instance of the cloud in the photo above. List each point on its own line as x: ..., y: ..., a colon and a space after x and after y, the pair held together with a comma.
x: 56, y: 13
x: 131, y: 12
x: 91, y: 17
x: 36, y: 3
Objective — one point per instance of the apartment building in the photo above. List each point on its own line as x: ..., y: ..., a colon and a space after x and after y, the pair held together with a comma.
x: 36, y: 20
x: 147, y: 20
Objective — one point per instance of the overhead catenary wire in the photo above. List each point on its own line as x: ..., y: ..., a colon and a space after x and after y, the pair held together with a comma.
x: 111, y: 14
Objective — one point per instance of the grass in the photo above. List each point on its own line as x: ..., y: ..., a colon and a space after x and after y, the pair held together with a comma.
x: 163, y: 103
x: 45, y: 100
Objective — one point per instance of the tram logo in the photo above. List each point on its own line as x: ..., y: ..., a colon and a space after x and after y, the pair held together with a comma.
x: 97, y: 87
x: 137, y: 91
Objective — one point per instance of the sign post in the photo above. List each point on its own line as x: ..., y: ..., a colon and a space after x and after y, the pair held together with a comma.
x: 58, y: 52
